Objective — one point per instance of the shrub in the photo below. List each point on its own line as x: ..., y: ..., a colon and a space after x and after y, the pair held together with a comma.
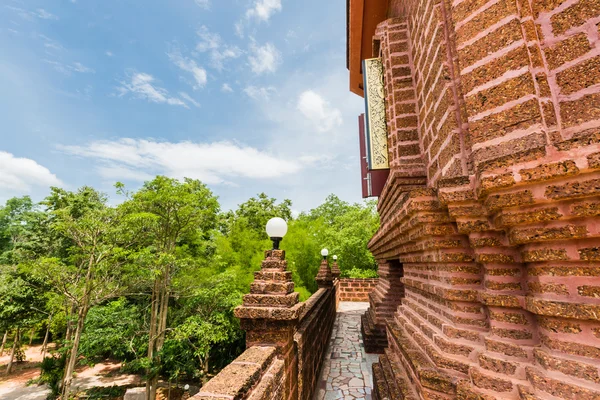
x: 53, y: 369
x: 358, y: 273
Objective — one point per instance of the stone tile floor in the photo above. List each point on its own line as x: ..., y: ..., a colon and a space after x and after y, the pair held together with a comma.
x: 346, y: 372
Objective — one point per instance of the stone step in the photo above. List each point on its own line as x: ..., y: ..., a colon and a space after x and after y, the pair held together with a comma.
x: 507, y: 349
x: 400, y: 376
x: 546, y: 386
x: 380, y: 389
x: 429, y: 375
x: 370, y: 328
x: 584, y: 372
x: 466, y: 391
x: 485, y: 379
x: 390, y: 380
x: 496, y: 363
x: 374, y: 338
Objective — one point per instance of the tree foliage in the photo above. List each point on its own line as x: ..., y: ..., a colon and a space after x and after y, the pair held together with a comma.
x: 153, y: 281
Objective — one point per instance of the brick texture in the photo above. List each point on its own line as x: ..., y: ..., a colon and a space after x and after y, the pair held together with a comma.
x: 286, y: 340
x: 355, y: 289
x: 499, y: 248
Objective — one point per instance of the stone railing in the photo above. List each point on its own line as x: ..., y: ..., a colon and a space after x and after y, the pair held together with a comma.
x: 286, y: 340
x: 311, y: 339
x: 354, y: 289
x: 257, y: 372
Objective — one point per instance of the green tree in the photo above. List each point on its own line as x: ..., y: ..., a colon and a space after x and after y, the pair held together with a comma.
x: 303, y: 251
x: 258, y: 210
x: 243, y: 238
x: 206, y: 325
x: 343, y: 228
x: 14, y: 218
x: 21, y: 304
x: 168, y: 212
x: 330, y: 210
x: 114, y: 330
x: 95, y: 267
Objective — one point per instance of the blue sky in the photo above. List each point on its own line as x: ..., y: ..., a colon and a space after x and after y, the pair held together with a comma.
x: 248, y: 96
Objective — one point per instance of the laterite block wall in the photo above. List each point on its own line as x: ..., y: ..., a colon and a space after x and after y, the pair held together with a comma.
x: 355, y: 289
x: 496, y: 104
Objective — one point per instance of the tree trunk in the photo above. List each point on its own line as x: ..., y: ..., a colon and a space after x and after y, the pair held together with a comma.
x: 150, y: 389
x: 162, y: 308
x: 70, y: 368
x: 3, y: 343
x: 69, y: 332
x: 12, y: 353
x: 31, y: 333
x: 46, y: 336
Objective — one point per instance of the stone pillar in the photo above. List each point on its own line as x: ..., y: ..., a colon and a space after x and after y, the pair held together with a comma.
x: 335, y: 270
x: 324, y: 277
x: 384, y: 300
x: 269, y: 314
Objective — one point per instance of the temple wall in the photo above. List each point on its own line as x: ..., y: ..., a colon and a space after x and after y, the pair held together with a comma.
x: 355, y: 289
x: 497, y: 252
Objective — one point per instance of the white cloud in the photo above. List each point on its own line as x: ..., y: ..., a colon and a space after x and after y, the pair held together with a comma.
x: 239, y: 29
x: 321, y: 161
x: 21, y: 174
x: 68, y: 69
x: 319, y: 111
x: 141, y: 86
x: 30, y: 15
x: 208, y: 40
x: 219, y: 52
x: 263, y: 9
x: 109, y: 53
x: 218, y: 58
x: 260, y: 93
x: 264, y: 58
x: 189, y: 99
x: 51, y: 43
x: 41, y: 13
x: 79, y: 67
x: 213, y: 163
x: 226, y: 88
x: 190, y: 66
x: 122, y: 173
x: 203, y: 4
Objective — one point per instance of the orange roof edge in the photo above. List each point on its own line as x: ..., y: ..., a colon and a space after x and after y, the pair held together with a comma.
x: 363, y: 18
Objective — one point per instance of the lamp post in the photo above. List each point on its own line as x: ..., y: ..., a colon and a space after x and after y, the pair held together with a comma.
x: 335, y: 270
x: 324, y: 278
x: 269, y: 313
x: 276, y: 229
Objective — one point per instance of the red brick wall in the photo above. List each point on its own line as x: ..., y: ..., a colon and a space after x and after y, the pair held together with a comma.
x: 312, y: 339
x: 257, y: 373
x: 269, y: 372
x: 355, y: 289
x: 499, y: 248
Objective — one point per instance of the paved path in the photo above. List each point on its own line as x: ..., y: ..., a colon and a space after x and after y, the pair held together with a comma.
x: 98, y: 376
x: 346, y: 371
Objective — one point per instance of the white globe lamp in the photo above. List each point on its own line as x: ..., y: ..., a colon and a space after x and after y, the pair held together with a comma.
x: 324, y: 253
x: 276, y: 229
x: 334, y: 258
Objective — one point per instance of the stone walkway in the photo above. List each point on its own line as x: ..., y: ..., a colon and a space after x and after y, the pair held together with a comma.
x: 346, y: 371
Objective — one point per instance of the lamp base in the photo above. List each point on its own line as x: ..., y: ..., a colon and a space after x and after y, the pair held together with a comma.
x: 276, y: 241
